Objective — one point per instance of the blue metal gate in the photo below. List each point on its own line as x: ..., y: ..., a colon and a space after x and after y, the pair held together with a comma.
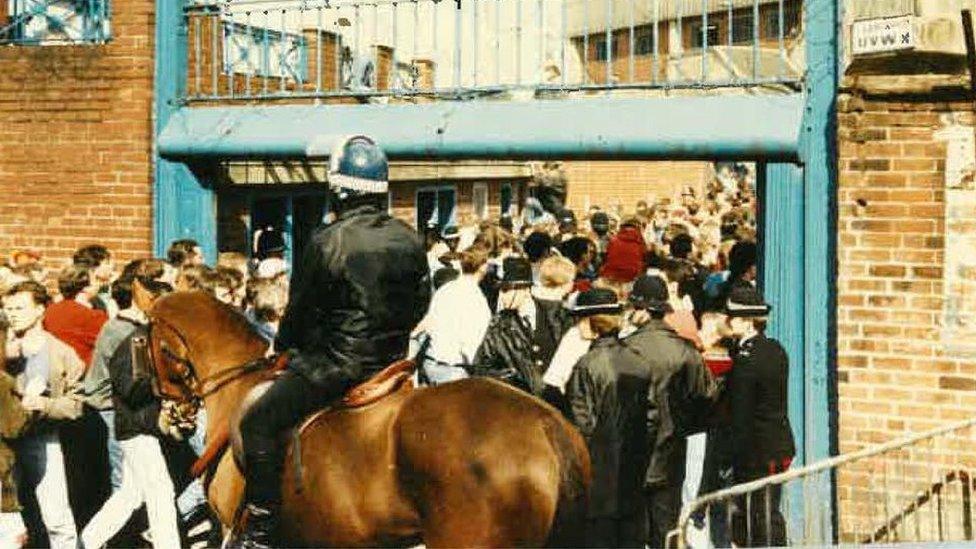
x: 321, y: 70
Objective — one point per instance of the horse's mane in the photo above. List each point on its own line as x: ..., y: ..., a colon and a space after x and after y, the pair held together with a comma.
x: 197, y: 312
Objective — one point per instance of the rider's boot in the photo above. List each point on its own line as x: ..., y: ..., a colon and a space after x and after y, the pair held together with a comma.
x: 258, y: 524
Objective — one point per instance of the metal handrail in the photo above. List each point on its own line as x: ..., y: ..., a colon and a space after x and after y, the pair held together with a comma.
x: 39, y: 9
x: 475, y: 48
x: 935, y: 490
x: 677, y: 535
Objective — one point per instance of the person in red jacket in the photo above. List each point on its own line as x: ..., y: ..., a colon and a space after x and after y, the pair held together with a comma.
x: 73, y: 320
x: 625, y: 254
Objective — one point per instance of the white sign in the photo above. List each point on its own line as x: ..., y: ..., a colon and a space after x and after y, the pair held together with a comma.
x: 883, y: 35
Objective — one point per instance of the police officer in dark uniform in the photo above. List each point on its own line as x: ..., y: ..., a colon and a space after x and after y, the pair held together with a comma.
x: 762, y: 440
x: 362, y: 288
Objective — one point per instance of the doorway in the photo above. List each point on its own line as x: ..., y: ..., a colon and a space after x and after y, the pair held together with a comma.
x: 243, y: 213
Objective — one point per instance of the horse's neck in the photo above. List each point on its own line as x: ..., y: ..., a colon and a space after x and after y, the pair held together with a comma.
x: 221, y: 405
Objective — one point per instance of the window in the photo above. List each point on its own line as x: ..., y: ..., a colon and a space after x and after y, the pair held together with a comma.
x: 742, y: 32
x: 791, y: 21
x: 435, y: 208
x: 696, y: 35
x: 644, y: 43
x: 50, y: 22
x: 507, y: 200
x: 260, y: 51
x: 600, y: 52
x: 480, y: 199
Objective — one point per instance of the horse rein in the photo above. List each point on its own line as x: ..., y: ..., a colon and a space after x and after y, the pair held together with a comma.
x: 202, y: 388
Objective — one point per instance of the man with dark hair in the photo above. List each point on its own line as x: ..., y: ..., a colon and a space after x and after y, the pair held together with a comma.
x: 537, y: 246
x: 679, y: 391
x: 139, y: 423
x: 48, y: 376
x: 73, y: 320
x: 580, y: 251
x: 98, y: 384
x: 600, y: 225
x: 97, y: 258
x: 682, y: 247
x: 183, y: 253
x: 363, y: 286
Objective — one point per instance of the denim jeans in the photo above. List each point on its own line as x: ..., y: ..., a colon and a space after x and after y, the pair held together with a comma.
x: 40, y: 466
x: 193, y: 496
x: 115, y: 459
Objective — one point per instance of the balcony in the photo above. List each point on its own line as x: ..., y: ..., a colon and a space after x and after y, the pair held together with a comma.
x: 54, y: 22
x: 383, y: 51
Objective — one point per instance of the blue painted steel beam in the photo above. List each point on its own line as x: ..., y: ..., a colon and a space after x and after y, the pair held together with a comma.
x: 676, y: 128
x: 783, y: 283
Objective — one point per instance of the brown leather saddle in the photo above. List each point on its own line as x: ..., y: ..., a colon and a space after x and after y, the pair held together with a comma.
x: 384, y: 383
x: 392, y: 379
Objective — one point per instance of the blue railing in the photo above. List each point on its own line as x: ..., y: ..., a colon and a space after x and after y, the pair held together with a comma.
x: 471, y: 48
x: 47, y: 22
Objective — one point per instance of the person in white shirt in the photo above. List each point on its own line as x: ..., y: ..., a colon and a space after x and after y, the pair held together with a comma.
x: 456, y: 321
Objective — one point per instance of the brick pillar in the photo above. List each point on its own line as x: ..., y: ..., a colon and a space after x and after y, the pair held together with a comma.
x: 321, y: 49
x: 426, y: 68
x: 384, y: 67
x: 204, y: 29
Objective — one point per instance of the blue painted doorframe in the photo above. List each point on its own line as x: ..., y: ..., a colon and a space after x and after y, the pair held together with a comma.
x: 799, y: 230
x: 182, y: 207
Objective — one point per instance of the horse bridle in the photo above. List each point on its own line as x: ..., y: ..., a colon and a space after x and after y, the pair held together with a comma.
x: 201, y: 388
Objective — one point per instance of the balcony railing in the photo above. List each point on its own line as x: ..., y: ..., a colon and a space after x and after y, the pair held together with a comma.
x: 369, y: 49
x: 54, y: 22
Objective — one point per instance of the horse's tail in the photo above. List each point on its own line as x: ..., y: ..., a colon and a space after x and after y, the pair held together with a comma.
x: 569, y: 522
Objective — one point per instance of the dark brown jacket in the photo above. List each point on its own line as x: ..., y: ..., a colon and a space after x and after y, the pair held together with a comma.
x: 13, y: 419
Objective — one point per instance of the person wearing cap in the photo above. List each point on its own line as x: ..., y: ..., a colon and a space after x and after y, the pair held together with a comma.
x: 508, y: 351
x: 363, y: 285
x: 762, y: 439
x: 567, y: 225
x: 451, y: 236
x: 608, y: 407
x: 679, y: 393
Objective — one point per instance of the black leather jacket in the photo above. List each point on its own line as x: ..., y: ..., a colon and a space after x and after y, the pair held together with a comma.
x: 136, y: 407
x: 680, y: 394
x: 363, y: 287
x: 607, y: 396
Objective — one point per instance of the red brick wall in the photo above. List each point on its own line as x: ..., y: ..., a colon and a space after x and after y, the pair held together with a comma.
x: 608, y: 184
x: 901, y: 367
x: 75, y: 141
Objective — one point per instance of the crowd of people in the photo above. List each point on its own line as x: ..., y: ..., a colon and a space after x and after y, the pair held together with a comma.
x: 647, y: 331
x: 86, y: 443
x: 645, y: 328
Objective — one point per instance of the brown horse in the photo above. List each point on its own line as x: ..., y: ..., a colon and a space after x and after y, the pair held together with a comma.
x: 468, y: 464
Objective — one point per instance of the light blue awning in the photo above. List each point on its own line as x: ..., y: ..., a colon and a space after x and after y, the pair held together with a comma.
x: 673, y: 128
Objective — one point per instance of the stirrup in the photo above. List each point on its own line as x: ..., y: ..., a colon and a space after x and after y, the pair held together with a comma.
x: 256, y: 528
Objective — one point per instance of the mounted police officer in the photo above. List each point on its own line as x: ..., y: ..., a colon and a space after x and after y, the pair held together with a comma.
x: 363, y: 287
